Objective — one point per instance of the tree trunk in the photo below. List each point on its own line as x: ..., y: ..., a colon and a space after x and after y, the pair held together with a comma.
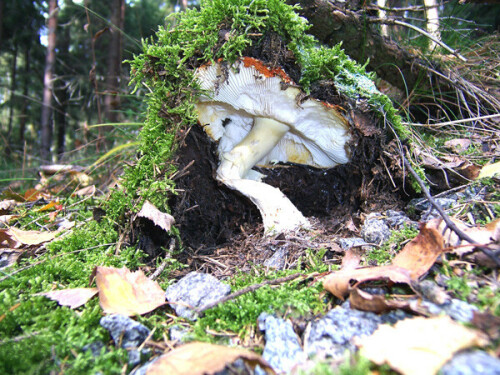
x: 24, y: 107
x: 114, y: 61
x: 46, y: 121
x: 61, y: 95
x: 432, y: 15
x: 1, y: 21
x: 13, y: 84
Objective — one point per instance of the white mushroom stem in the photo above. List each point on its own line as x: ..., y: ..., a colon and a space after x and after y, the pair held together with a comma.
x: 278, y: 213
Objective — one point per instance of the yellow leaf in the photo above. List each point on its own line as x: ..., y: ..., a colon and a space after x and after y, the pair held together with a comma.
x: 127, y: 293
x: 419, y: 346
x: 490, y: 170
x: 201, y: 358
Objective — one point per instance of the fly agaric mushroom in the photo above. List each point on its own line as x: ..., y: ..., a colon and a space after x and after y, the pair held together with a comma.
x: 256, y: 114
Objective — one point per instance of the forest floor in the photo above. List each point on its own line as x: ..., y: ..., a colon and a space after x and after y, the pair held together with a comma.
x: 55, y: 244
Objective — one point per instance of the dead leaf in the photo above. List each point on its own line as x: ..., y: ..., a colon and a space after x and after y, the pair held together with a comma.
x: 159, y: 218
x: 203, y: 359
x: 351, y: 258
x: 32, y: 195
x: 7, y: 204
x: 86, y: 191
x: 17, y: 237
x: 379, y: 304
x: 8, y: 257
x: 51, y: 205
x: 490, y: 170
x: 419, y: 346
x: 338, y: 283
x: 481, y: 235
x: 488, y: 323
x: 458, y: 145
x: 73, y: 298
x: 127, y: 293
x: 6, y: 219
x: 419, y: 254
x: 412, y: 262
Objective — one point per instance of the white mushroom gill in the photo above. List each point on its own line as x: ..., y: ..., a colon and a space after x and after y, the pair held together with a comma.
x: 258, y: 119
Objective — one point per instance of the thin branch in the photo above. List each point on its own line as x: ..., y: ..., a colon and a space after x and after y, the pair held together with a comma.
x: 249, y: 289
x: 421, y: 31
x: 449, y: 223
x: 477, y: 118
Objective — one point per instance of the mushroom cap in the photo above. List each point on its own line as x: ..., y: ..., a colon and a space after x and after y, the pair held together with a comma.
x: 235, y: 95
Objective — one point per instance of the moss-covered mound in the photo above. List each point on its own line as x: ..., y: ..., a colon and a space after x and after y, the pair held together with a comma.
x: 273, y: 32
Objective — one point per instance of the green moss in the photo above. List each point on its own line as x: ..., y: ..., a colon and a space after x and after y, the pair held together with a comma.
x: 240, y: 314
x: 384, y: 254
x: 50, y: 337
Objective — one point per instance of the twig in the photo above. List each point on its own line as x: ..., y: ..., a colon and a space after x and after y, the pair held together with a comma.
x: 421, y: 31
x: 249, y: 289
x: 166, y: 261
x: 449, y: 223
x: 478, y: 118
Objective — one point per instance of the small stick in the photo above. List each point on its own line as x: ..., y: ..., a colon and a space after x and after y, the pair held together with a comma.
x: 421, y: 31
x: 249, y: 289
x: 450, y: 224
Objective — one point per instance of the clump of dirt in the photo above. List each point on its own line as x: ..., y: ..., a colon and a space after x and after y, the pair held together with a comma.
x: 211, y: 217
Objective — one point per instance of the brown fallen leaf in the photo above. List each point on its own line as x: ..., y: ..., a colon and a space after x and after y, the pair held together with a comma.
x: 352, y: 258
x: 419, y: 254
x: 419, y: 346
x: 16, y: 237
x: 163, y: 220
x: 488, y: 323
x: 379, y: 304
x: 458, y: 145
x: 127, y: 293
x: 9, y: 256
x: 73, y: 298
x: 203, y: 359
x: 338, y: 283
x: 413, y: 261
x: 481, y: 235
x: 7, y: 204
x: 86, y: 191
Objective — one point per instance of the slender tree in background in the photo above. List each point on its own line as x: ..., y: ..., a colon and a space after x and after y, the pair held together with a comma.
x: 432, y: 15
x: 24, y: 107
x: 13, y: 84
x: 114, y: 62
x: 46, y: 121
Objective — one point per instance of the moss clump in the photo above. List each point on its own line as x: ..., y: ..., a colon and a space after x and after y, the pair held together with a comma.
x: 292, y: 298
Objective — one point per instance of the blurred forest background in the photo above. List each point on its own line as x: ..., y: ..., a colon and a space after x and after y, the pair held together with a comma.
x: 64, y: 94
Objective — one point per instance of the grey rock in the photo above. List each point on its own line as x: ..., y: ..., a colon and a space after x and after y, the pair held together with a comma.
x: 194, y: 291
x: 396, y: 219
x: 332, y: 335
x: 472, y: 363
x: 457, y: 309
x: 282, y: 350
x: 128, y: 333
x: 428, y: 211
x: 347, y: 243
x: 375, y: 230
x: 178, y: 333
x: 277, y: 260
